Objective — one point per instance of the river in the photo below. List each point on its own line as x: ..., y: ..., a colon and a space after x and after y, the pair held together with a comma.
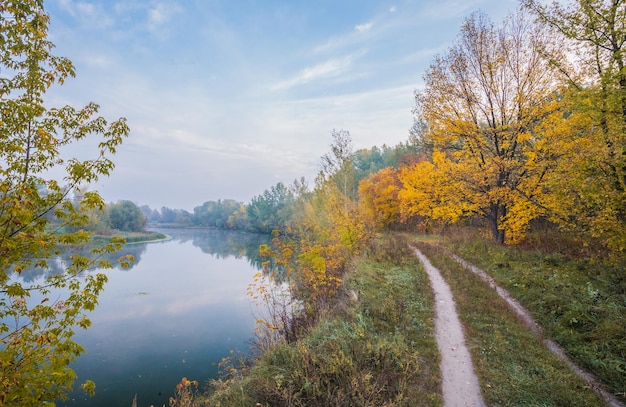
x: 176, y: 312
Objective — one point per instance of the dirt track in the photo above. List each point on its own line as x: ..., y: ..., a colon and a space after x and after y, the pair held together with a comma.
x: 460, y: 385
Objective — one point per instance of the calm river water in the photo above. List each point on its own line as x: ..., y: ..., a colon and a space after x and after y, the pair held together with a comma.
x: 177, y: 312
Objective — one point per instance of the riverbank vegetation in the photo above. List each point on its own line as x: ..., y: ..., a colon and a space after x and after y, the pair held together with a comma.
x: 500, y: 129
x: 519, y: 136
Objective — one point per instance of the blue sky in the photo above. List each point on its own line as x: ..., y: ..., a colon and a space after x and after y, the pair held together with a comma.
x: 225, y: 98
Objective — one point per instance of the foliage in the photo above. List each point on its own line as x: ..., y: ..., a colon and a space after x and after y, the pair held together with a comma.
x: 126, y: 217
x: 484, y: 102
x: 215, y: 214
x: 273, y: 290
x: 378, y: 194
x: 37, y: 319
x: 302, y: 275
x: 272, y: 210
x: 186, y: 394
x: 431, y: 190
x: 592, y: 178
x: 179, y: 217
x: 372, y: 160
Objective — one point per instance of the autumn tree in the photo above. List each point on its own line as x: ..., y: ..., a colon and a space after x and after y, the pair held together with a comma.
x: 37, y: 319
x: 378, y: 195
x: 484, y: 102
x: 592, y: 177
x: 326, y: 229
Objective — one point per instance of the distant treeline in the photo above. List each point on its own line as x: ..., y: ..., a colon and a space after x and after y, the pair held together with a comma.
x: 274, y: 208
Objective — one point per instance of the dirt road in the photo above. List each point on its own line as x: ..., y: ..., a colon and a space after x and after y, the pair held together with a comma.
x: 460, y: 385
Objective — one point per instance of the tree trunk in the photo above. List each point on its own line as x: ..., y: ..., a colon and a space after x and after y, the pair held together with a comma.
x: 496, y: 212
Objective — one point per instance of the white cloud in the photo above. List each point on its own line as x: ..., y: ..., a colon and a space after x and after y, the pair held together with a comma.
x: 392, y: 9
x: 98, y: 61
x: 363, y: 27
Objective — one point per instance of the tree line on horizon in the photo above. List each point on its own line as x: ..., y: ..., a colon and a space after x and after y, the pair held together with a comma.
x: 274, y: 208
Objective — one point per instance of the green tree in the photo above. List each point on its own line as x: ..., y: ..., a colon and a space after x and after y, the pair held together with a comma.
x: 38, y: 319
x: 215, y: 214
x: 271, y: 210
x: 126, y: 216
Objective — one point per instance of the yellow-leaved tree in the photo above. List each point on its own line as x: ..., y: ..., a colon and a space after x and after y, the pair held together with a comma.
x: 378, y: 197
x: 591, y: 182
x: 484, y: 102
x: 326, y: 230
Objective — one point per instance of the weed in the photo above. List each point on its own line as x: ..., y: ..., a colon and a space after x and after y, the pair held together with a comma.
x: 186, y: 394
x: 376, y: 349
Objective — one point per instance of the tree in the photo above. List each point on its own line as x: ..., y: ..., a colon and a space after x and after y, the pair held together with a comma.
x: 126, y: 216
x: 378, y: 194
x: 272, y: 209
x: 338, y: 164
x: 37, y: 319
x: 215, y: 214
x: 593, y: 175
x: 484, y: 102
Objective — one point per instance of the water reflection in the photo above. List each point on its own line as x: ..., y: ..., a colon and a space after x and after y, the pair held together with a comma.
x: 223, y: 243
x: 177, y: 312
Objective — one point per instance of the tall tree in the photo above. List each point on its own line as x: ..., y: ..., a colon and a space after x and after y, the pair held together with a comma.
x: 483, y: 103
x: 593, y: 177
x: 126, y: 216
x: 37, y: 319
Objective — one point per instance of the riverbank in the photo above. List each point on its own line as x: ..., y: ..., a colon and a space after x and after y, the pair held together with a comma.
x: 379, y: 339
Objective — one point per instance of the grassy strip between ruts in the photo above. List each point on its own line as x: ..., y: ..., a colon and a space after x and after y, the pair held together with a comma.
x: 376, y: 348
x: 513, y: 366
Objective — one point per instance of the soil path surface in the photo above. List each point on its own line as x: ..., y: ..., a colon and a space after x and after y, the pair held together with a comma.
x: 460, y: 385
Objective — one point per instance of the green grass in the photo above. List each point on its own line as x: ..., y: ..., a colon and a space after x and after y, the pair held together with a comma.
x: 376, y: 348
x: 513, y: 366
x: 131, y: 237
x: 579, y: 302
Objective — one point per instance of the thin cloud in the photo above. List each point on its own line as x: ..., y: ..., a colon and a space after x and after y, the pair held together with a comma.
x: 161, y: 14
x: 329, y: 69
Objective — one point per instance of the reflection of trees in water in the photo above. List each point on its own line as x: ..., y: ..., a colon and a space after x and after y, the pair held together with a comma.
x: 223, y: 243
x: 218, y: 243
x: 57, y: 265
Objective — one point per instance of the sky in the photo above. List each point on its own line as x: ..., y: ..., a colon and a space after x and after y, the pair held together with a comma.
x: 226, y: 98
